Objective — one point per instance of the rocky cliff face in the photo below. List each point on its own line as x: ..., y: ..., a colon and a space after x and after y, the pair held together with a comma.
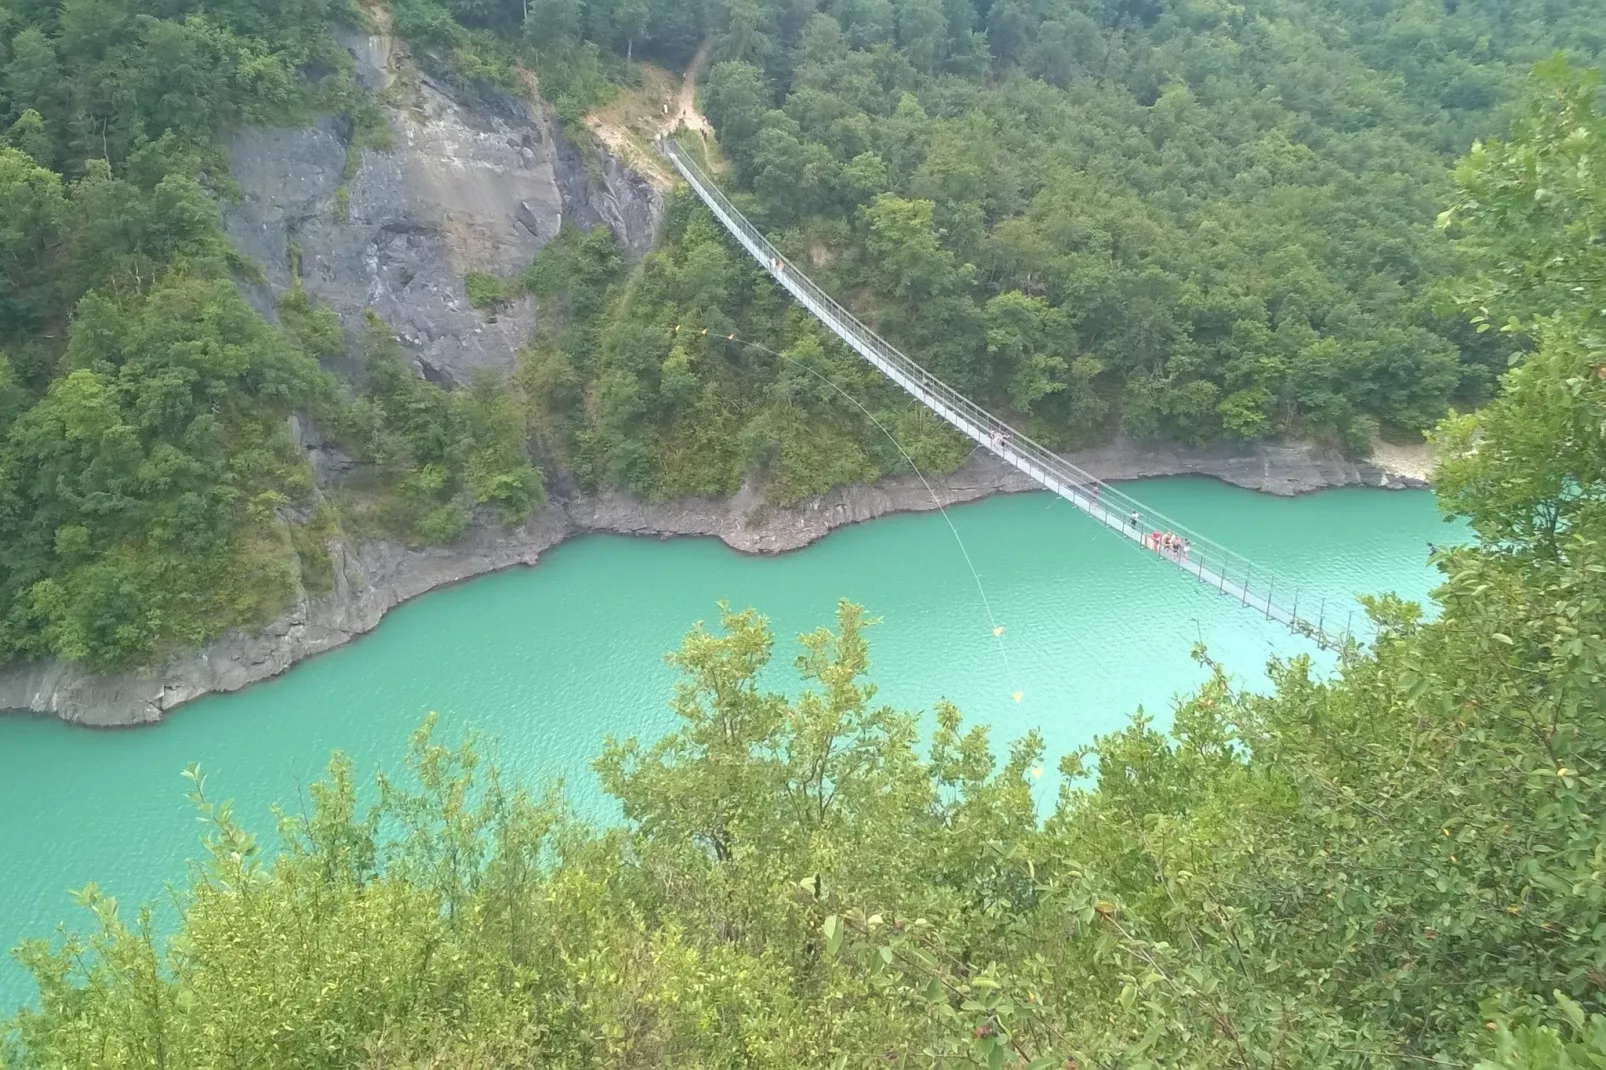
x: 471, y: 184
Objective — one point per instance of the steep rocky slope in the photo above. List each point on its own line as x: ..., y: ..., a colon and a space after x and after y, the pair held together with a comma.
x: 471, y: 184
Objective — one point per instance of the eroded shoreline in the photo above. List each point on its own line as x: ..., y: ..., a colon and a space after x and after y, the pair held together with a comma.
x: 373, y: 578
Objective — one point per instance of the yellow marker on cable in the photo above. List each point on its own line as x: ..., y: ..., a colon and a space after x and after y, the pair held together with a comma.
x: 1019, y: 695
x: 998, y: 630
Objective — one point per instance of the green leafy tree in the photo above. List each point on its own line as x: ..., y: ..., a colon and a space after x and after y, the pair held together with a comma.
x: 1026, y: 340
x: 736, y: 94
x: 438, y: 454
x: 1530, y: 469
x: 132, y: 490
x: 30, y: 135
x: 33, y: 217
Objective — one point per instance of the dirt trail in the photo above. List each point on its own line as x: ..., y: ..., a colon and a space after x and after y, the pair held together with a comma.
x: 629, y: 123
x: 686, y: 113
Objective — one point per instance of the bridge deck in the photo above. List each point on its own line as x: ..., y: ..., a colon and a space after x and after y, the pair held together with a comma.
x: 1206, y: 561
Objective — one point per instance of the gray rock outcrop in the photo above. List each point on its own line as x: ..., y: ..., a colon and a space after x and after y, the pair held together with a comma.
x: 472, y: 183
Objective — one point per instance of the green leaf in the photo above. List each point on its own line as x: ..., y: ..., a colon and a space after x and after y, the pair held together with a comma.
x: 833, y: 934
x: 1573, y: 1011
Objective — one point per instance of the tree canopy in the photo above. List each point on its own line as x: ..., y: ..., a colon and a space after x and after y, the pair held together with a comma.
x: 1179, y: 221
x: 1164, y: 219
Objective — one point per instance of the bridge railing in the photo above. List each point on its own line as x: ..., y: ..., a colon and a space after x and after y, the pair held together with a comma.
x: 1208, y: 561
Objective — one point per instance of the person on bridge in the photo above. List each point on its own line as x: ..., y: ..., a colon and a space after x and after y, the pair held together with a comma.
x: 1134, y: 518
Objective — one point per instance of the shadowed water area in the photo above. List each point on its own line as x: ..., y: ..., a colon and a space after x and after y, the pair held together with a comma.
x: 547, y: 661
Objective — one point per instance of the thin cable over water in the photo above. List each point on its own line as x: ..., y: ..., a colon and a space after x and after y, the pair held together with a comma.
x: 981, y: 588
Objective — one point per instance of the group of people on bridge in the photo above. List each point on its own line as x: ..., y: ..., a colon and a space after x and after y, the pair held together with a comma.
x: 1164, y: 542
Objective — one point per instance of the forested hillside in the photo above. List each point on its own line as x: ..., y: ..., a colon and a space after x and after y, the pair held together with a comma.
x: 1188, y: 221
x: 1173, y: 219
x: 1398, y: 866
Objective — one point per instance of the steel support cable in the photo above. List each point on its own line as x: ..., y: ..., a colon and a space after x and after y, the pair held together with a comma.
x: 936, y: 499
x: 845, y: 323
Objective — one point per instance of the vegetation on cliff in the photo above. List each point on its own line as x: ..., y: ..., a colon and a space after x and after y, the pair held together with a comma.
x: 1400, y: 865
x: 151, y: 495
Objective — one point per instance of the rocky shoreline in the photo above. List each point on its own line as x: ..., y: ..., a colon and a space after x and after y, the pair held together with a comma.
x: 373, y: 578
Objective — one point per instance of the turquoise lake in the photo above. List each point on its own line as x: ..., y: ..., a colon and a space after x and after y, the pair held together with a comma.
x: 546, y: 661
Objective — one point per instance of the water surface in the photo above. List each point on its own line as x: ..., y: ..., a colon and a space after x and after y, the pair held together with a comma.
x: 549, y: 660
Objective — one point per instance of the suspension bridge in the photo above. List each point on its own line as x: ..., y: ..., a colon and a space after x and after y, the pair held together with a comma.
x: 1211, y: 564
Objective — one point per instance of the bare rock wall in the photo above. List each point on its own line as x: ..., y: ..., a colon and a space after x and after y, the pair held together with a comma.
x: 474, y: 182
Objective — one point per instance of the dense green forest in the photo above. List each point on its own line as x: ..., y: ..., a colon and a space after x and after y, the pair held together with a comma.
x: 1173, y: 219
x: 1187, y: 221
x: 1400, y: 865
